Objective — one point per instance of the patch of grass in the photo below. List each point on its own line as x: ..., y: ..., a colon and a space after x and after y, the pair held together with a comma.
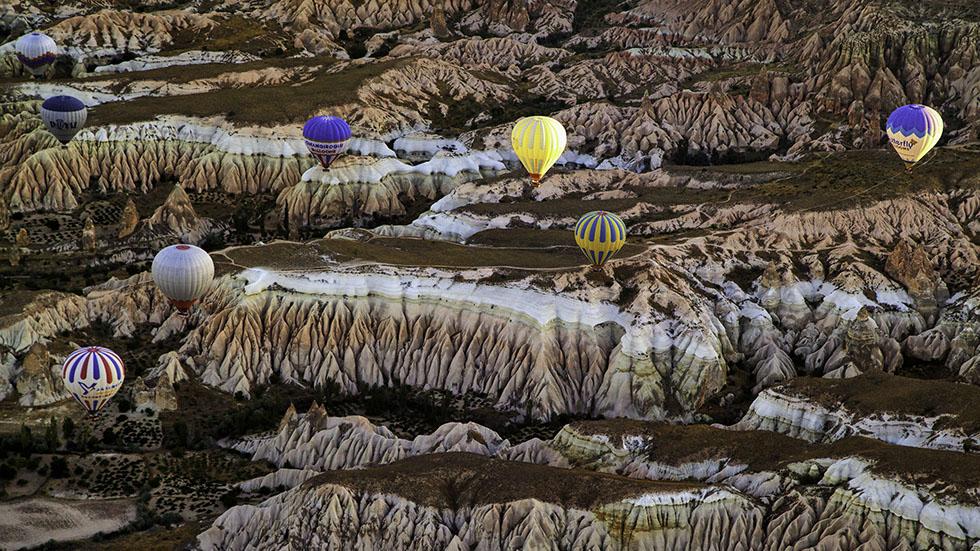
x: 156, y: 539
x: 875, y: 393
x: 236, y: 32
x: 14, y: 302
x: 453, y: 479
x: 411, y: 252
x: 573, y: 206
x: 590, y: 14
x: 852, y: 178
x: 180, y: 74
x: 765, y: 450
x: 288, y: 103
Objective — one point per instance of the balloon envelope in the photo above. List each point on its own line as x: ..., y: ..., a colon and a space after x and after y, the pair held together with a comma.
x: 183, y: 273
x: 600, y: 235
x: 36, y: 51
x: 63, y: 116
x: 93, y: 375
x: 326, y: 138
x: 538, y: 142
x: 913, y: 130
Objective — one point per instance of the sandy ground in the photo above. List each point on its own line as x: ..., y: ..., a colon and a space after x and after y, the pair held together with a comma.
x: 30, y: 522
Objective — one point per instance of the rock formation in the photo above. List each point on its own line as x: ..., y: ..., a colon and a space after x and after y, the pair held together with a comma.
x: 22, y: 239
x: 821, y: 412
x: 861, y: 343
x: 910, y: 266
x: 438, y: 21
x: 160, y: 398
x: 808, y: 494
x: 36, y: 382
x: 512, y: 497
x: 4, y: 214
x: 176, y: 213
x: 129, y: 220
x: 90, y: 240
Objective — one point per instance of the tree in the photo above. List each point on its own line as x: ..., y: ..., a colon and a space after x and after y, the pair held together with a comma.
x: 68, y: 428
x: 180, y: 433
x: 51, y: 440
x: 26, y: 440
x: 230, y: 499
x: 59, y: 467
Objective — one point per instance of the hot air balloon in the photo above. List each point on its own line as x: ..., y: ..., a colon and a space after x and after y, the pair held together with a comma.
x: 538, y: 142
x: 93, y: 375
x: 63, y: 116
x: 600, y: 235
x: 36, y: 51
x: 913, y: 130
x: 183, y: 273
x: 326, y: 138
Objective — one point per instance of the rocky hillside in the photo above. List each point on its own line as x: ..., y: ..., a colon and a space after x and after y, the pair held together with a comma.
x: 785, y: 355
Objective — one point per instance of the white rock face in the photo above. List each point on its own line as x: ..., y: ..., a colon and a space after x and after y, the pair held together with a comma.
x: 511, y: 342
x: 320, y: 443
x: 193, y: 57
x: 802, y: 418
x: 47, y: 315
x: 678, y: 517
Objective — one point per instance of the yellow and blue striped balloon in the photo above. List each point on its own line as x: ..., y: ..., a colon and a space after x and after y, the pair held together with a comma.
x: 600, y: 235
x: 913, y: 130
x: 538, y: 142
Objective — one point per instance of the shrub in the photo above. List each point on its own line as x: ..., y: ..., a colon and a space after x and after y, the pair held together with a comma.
x: 59, y: 468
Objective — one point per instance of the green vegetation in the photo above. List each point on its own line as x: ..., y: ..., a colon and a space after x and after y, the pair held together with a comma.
x: 590, y: 14
x: 287, y: 103
x: 875, y: 393
x: 410, y: 252
x: 852, y: 178
x: 182, y: 74
x: 448, y: 479
x: 770, y: 451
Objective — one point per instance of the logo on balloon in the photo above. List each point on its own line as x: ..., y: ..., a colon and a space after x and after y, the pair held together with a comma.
x: 61, y: 124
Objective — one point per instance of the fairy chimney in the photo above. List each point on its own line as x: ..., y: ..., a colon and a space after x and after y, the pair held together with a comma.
x: 89, y: 239
x: 129, y: 220
x: 22, y: 239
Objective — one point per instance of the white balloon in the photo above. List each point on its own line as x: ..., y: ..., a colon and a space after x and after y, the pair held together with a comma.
x: 36, y: 51
x: 183, y: 273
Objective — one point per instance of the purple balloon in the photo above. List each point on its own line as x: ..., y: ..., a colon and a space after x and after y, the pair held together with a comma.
x: 326, y: 138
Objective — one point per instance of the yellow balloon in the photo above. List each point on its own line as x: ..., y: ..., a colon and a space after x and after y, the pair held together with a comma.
x: 538, y: 142
x: 913, y: 130
x: 600, y: 235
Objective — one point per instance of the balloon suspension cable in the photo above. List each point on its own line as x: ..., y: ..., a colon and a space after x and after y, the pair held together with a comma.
x: 909, y: 167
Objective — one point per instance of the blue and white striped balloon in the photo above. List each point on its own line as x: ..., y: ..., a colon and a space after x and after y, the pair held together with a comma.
x: 93, y: 375
x: 183, y: 273
x: 36, y: 51
x: 63, y: 116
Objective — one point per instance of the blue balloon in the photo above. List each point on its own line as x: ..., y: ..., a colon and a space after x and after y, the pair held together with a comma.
x: 326, y: 138
x: 63, y: 116
x: 63, y: 103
